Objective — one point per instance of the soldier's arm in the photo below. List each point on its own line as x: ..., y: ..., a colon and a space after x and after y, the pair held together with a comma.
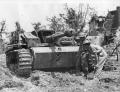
x: 99, y: 50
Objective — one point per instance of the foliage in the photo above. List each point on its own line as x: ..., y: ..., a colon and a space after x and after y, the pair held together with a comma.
x: 71, y: 19
x: 37, y: 26
x: 56, y: 23
x: 18, y: 28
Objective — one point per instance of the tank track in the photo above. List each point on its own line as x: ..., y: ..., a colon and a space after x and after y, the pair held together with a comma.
x: 23, y: 59
x: 24, y: 66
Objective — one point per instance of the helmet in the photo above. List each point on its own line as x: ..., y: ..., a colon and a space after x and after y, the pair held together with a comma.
x: 86, y: 42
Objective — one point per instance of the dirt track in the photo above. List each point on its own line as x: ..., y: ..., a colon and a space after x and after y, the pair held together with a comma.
x: 39, y: 81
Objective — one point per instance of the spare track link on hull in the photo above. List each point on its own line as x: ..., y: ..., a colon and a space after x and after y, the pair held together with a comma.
x: 24, y: 62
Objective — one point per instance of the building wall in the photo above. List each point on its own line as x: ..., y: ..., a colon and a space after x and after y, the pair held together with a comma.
x: 118, y: 15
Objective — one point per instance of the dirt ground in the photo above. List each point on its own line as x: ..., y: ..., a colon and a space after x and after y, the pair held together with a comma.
x: 39, y: 81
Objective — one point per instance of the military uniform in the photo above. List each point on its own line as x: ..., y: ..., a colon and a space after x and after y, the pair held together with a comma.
x: 92, y: 59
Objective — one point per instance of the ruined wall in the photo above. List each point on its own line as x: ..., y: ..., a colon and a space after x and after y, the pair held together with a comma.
x: 118, y: 15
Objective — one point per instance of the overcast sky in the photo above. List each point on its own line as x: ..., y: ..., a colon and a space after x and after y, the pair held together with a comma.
x: 30, y: 11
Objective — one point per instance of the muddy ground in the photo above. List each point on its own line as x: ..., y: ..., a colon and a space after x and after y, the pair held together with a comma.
x: 39, y: 81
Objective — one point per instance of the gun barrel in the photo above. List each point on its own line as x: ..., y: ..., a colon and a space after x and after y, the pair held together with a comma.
x: 55, y: 36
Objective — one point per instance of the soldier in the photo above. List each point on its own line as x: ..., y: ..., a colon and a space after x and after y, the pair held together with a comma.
x: 92, y: 59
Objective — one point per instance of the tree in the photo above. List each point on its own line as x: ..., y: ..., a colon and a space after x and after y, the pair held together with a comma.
x: 56, y: 24
x: 77, y: 19
x: 37, y: 27
x: 2, y: 28
x: 71, y: 19
x: 38, y: 30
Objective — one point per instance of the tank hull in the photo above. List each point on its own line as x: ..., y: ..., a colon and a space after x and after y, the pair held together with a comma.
x: 54, y: 57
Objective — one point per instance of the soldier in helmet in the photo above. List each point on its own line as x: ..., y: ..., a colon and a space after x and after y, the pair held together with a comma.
x: 92, y: 59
